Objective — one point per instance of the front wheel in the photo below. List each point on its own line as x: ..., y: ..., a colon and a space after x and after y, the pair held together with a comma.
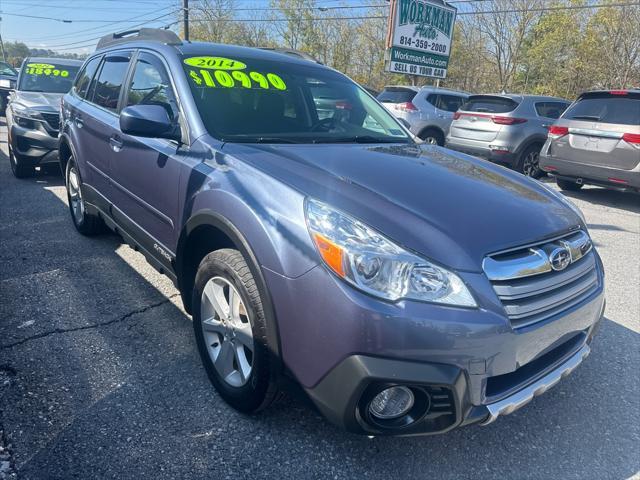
x: 86, y: 223
x: 231, y: 331
x: 19, y: 167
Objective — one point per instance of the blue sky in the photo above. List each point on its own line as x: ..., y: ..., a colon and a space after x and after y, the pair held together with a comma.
x: 92, y: 18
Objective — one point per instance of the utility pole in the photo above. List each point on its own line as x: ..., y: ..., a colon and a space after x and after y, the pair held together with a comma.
x: 185, y: 18
x: 4, y: 55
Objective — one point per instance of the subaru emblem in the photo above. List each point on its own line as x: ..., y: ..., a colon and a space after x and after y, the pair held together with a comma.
x: 560, y: 258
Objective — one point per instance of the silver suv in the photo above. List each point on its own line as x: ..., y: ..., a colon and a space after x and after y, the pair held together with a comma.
x: 505, y: 128
x: 597, y: 141
x: 428, y: 110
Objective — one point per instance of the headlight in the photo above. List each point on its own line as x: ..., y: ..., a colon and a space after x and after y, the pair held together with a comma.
x: 24, y: 116
x: 374, y: 264
x: 5, y: 83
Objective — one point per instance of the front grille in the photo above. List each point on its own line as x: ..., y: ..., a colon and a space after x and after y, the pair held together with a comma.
x: 531, y: 288
x: 52, y: 119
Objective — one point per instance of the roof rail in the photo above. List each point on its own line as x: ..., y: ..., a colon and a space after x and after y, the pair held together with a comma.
x: 292, y: 52
x: 149, y: 34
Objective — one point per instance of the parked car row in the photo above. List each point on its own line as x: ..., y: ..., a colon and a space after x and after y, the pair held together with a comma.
x: 407, y: 289
x: 594, y: 141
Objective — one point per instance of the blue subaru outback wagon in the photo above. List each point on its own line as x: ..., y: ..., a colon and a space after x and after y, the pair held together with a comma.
x: 407, y: 288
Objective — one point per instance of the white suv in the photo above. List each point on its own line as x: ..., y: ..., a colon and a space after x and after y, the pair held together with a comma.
x: 428, y: 110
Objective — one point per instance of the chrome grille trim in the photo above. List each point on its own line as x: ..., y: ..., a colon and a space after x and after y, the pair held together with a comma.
x: 534, y: 260
x: 532, y: 289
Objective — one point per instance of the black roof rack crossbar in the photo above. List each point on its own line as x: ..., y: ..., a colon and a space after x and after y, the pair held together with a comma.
x: 148, y: 34
x: 292, y: 52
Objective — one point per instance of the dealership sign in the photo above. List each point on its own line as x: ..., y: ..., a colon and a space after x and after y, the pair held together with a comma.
x: 419, y: 37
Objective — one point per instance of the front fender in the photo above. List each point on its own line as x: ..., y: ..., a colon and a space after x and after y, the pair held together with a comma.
x: 267, y: 214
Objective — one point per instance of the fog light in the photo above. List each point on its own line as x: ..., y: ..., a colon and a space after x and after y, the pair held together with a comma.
x: 391, y: 403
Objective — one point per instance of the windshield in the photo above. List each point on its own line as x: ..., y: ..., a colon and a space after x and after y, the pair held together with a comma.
x: 247, y: 100
x: 47, y: 77
x: 6, y: 69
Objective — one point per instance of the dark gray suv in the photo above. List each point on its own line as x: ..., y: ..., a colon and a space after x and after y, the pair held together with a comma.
x: 33, y: 113
x: 408, y: 289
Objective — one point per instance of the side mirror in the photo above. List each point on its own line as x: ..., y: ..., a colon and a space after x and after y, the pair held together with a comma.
x: 150, y: 121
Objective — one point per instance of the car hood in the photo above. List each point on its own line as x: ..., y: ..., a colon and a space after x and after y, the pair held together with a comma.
x: 39, y: 100
x: 450, y: 207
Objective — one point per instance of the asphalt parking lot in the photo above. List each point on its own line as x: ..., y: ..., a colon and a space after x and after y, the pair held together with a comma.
x: 100, y: 376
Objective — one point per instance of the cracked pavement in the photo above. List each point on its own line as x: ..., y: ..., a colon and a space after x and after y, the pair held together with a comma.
x: 100, y: 377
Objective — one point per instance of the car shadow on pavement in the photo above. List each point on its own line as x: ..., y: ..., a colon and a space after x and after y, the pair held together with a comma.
x: 628, y: 201
x: 108, y: 383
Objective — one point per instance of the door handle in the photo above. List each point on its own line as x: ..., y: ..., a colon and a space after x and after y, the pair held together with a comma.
x: 116, y: 143
x: 78, y: 121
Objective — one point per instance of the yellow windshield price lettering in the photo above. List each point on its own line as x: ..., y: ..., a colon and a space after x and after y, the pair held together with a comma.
x: 215, y: 63
x: 261, y: 79
x: 224, y: 79
x: 45, y: 69
x: 40, y: 65
x: 236, y: 78
x: 242, y: 78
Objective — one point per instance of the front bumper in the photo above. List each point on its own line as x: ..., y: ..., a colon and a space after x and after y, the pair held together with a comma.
x: 601, y: 175
x: 500, y: 154
x: 339, y: 343
x: 37, y: 146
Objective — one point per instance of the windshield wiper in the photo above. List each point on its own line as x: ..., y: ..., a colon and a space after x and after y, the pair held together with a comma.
x: 259, y: 140
x: 359, y: 139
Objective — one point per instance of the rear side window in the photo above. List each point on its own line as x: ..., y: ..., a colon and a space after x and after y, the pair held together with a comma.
x: 396, y: 95
x: 489, y: 104
x: 86, y: 75
x: 150, y: 85
x: 606, y: 108
x: 551, y: 109
x: 448, y: 103
x: 106, y: 88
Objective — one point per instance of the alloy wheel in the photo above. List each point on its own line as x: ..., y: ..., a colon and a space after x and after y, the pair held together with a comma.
x: 227, y: 331
x: 75, y: 195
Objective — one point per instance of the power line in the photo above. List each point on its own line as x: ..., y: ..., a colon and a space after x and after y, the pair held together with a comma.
x: 97, y: 29
x: 66, y: 20
x: 71, y: 7
x: 100, y: 36
x: 373, y: 17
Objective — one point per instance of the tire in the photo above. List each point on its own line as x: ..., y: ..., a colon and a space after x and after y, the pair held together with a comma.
x: 432, y: 136
x: 568, y: 185
x: 86, y: 223
x: 248, y: 391
x: 529, y: 162
x: 19, y: 167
